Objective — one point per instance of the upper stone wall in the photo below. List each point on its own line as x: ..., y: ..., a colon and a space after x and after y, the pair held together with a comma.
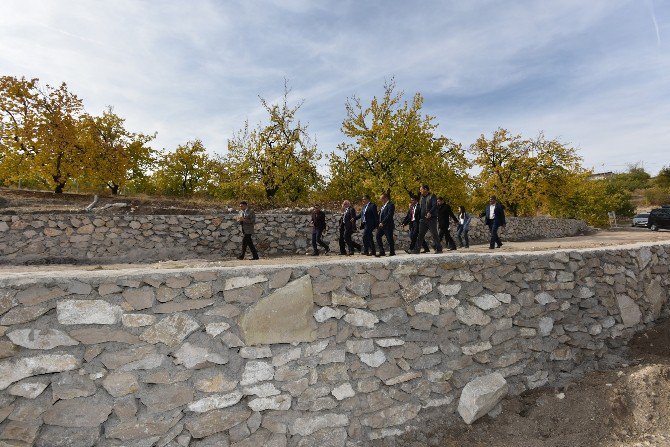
x: 339, y: 353
x: 69, y: 238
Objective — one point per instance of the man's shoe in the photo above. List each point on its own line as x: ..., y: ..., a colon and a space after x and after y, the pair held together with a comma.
x: 327, y: 249
x: 392, y: 253
x: 365, y: 253
x: 415, y: 252
x: 452, y: 249
x: 499, y: 245
x: 491, y: 247
x: 380, y: 254
x: 255, y: 258
x: 425, y: 251
x: 240, y: 257
x: 316, y: 253
x: 438, y: 251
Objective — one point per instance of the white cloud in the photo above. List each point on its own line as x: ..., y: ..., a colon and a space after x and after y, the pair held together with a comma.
x: 592, y: 72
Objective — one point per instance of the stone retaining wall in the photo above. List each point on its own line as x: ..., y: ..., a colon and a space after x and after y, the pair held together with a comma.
x: 69, y: 238
x: 334, y: 354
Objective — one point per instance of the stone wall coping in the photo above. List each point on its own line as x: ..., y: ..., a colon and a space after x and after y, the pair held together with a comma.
x: 16, y: 278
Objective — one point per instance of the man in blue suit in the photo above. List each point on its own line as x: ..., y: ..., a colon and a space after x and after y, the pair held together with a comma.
x: 494, y: 215
x: 386, y: 226
x: 369, y: 222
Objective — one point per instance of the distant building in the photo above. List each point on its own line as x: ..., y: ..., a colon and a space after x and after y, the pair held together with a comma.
x: 601, y: 175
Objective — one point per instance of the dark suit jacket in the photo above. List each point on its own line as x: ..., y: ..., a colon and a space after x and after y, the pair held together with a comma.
x: 347, y: 217
x: 408, y: 217
x: 444, y: 213
x: 498, y: 215
x: 386, y: 216
x: 319, y: 220
x: 371, y: 215
x: 431, y: 205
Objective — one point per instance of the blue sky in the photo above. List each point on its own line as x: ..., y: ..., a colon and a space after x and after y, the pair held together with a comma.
x: 594, y: 73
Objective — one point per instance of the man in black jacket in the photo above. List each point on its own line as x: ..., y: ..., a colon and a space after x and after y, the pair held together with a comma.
x: 386, y: 226
x: 444, y: 215
x: 347, y: 228
x: 494, y: 215
x: 412, y: 221
x: 369, y: 221
x: 428, y: 221
x: 318, y: 228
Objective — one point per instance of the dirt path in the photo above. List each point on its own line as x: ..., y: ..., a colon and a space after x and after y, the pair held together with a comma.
x: 599, y: 239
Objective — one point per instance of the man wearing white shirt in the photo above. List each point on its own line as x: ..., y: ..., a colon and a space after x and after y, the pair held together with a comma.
x: 495, y: 219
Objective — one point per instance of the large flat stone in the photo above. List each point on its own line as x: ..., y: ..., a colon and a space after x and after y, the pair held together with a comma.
x: 630, y: 311
x: 13, y: 371
x: 166, y: 397
x: 88, y: 312
x: 41, y: 338
x: 171, y: 330
x: 481, y: 395
x: 215, y: 421
x: 79, y: 412
x: 285, y: 316
x: 53, y: 436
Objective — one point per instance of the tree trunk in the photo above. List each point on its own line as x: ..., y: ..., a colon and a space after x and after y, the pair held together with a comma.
x: 59, y: 188
x: 114, y: 188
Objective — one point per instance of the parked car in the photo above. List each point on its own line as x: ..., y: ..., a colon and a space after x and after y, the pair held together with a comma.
x: 640, y: 220
x: 659, y: 218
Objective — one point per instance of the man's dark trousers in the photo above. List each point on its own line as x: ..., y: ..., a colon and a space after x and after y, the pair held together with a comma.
x: 247, y: 242
x: 446, y: 234
x: 414, y: 236
x: 495, y: 239
x: 368, y: 240
x: 426, y: 225
x: 317, y: 238
x: 388, y: 233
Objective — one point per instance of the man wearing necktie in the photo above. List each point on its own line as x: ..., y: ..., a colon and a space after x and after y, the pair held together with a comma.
x: 369, y: 222
x: 386, y: 226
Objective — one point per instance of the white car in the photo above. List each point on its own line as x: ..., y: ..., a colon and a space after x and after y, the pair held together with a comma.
x: 640, y: 220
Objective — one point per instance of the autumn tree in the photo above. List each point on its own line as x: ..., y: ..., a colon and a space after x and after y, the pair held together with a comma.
x: 185, y: 172
x: 278, y: 158
x: 39, y: 132
x: 522, y: 172
x: 393, y: 147
x: 117, y: 155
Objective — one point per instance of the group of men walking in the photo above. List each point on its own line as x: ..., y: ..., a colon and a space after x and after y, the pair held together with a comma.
x: 426, y: 214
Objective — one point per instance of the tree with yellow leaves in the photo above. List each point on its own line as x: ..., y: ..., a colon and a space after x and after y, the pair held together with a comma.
x: 522, y: 172
x: 394, y: 148
x: 184, y: 172
x: 116, y: 155
x: 39, y: 132
x: 277, y: 159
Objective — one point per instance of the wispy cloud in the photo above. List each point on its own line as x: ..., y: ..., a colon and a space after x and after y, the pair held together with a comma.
x: 594, y: 73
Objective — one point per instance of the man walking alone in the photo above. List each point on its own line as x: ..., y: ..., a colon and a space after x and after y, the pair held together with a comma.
x: 247, y: 219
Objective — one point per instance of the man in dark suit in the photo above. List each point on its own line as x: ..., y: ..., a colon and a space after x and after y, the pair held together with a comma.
x: 428, y: 221
x: 494, y: 215
x: 347, y: 228
x: 444, y: 215
x: 369, y: 222
x: 411, y: 220
x: 386, y: 226
x: 318, y: 228
x: 247, y: 220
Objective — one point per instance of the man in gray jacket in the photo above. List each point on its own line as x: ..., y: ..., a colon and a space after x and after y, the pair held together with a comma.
x: 247, y: 219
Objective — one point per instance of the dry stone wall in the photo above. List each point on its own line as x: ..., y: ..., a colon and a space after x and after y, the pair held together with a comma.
x: 72, y: 238
x: 333, y: 354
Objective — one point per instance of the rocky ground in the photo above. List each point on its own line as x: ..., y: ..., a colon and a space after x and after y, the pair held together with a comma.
x: 628, y: 406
